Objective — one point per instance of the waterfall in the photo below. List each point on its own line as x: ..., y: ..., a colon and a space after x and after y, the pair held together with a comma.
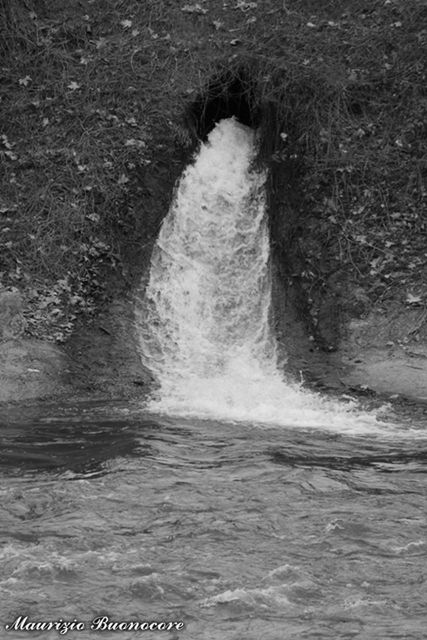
x: 204, y: 320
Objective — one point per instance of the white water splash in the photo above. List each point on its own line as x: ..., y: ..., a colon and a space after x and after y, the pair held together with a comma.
x: 204, y: 321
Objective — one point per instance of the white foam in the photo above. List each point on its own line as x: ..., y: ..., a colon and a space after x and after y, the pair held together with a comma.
x: 265, y: 598
x: 204, y: 320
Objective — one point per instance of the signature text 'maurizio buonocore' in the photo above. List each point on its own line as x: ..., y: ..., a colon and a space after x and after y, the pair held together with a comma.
x: 99, y: 623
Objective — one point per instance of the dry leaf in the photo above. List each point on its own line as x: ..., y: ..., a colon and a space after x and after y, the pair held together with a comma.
x: 194, y: 8
x: 246, y: 6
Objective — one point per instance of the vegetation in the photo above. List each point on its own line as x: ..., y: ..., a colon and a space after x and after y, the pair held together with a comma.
x: 98, y: 116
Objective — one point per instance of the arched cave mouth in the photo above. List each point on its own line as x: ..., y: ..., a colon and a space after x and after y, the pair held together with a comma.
x: 228, y: 94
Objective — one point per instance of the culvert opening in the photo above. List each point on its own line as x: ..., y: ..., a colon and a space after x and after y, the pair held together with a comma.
x: 229, y: 94
x: 264, y: 102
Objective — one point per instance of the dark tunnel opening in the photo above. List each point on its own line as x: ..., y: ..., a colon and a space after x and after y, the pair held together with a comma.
x: 227, y: 95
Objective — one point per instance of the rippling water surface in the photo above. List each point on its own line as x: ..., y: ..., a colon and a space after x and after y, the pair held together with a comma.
x: 242, y: 531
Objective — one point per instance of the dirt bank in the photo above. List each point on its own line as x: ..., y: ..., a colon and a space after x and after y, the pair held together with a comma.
x: 31, y: 369
x: 101, y: 358
x: 387, y: 351
x: 384, y: 352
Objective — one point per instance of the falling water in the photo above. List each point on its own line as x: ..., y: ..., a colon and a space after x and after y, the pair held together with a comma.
x: 204, y: 320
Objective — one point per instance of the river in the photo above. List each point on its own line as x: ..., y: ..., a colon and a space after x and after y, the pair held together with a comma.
x: 240, y: 531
